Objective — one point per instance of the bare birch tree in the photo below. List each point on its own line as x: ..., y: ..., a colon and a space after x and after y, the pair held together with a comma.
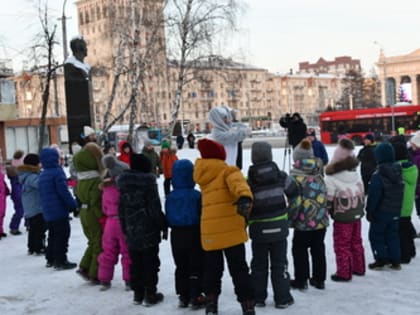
x: 194, y: 27
x: 140, y: 43
x: 44, y: 62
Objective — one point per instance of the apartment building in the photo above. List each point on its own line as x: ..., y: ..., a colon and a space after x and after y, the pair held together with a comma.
x: 339, y: 66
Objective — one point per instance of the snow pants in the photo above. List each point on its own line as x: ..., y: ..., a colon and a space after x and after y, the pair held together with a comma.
x: 348, y: 248
x: 407, y: 234
x: 272, y: 254
x: 93, y: 232
x: 384, y: 237
x: 113, y: 244
x: 314, y: 241
x: 238, y: 269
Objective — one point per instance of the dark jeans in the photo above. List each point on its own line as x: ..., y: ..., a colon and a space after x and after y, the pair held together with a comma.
x: 167, y: 185
x: 314, y: 241
x: 144, y: 269
x: 36, y: 233
x: 238, y: 269
x: 188, y: 257
x: 58, y: 241
x: 274, y: 255
x: 384, y: 237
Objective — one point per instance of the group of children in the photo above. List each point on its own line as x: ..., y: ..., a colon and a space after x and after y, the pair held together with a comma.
x: 121, y: 213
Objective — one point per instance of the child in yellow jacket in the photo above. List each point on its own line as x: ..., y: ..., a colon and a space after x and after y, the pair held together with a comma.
x: 226, y: 203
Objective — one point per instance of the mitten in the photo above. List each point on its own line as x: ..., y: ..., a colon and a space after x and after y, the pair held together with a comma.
x: 243, y: 206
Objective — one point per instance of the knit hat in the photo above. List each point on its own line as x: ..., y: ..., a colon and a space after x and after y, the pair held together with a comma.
x: 370, y: 137
x: 261, y: 152
x: 113, y: 166
x: 303, y: 150
x: 140, y: 162
x: 401, y: 151
x: 384, y: 153
x: 416, y: 140
x: 344, y: 150
x: 31, y: 159
x: 210, y: 149
x: 18, y: 158
x: 87, y: 131
x: 165, y: 144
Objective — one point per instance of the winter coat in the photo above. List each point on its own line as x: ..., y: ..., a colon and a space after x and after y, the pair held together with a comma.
x: 308, y: 210
x: 89, y: 168
x: 269, y: 186
x: 124, y: 156
x: 16, y: 188
x: 367, y: 160
x: 29, y: 177
x: 167, y: 160
x: 345, y: 192
x: 416, y: 161
x: 319, y: 151
x: 4, y: 192
x: 154, y: 159
x: 183, y: 204
x: 296, y: 131
x: 410, y: 175
x: 386, y: 190
x: 56, y: 199
x: 221, y: 186
x: 226, y: 133
x: 140, y: 211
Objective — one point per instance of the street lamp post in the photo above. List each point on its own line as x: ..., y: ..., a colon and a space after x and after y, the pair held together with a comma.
x: 382, y: 54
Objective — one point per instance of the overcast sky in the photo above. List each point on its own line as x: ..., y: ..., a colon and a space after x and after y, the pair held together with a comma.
x: 273, y: 34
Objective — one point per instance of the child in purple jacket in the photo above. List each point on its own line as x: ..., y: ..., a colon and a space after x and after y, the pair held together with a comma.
x: 16, y: 192
x: 113, y: 239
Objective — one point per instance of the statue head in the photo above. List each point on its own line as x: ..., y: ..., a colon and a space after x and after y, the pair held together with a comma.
x: 79, y: 48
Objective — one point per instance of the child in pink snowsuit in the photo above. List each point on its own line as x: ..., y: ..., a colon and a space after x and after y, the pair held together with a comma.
x: 4, y: 191
x: 113, y: 239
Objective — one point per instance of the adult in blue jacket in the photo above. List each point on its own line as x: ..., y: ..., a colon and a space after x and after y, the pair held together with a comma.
x: 317, y: 146
x: 56, y: 203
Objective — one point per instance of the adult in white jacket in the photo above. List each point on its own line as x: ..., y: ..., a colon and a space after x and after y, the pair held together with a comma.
x: 226, y: 132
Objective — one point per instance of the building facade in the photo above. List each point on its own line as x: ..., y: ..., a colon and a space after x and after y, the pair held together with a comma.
x: 400, y: 78
x: 339, y: 66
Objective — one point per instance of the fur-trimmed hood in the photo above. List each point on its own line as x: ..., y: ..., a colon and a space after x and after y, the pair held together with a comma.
x: 348, y: 164
x: 27, y: 168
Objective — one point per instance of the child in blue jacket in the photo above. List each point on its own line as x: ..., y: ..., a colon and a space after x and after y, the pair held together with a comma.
x: 183, y: 209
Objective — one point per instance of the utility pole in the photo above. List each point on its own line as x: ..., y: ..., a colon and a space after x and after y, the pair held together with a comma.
x: 63, y: 20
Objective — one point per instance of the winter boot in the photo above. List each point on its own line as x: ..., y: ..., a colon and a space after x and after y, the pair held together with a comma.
x: 211, y: 304
x: 317, y: 284
x: 198, y: 302
x: 83, y: 273
x: 65, y: 265
x: 138, y: 297
x: 152, y: 297
x: 105, y: 285
x: 379, y: 264
x: 183, y: 302
x: 248, y: 307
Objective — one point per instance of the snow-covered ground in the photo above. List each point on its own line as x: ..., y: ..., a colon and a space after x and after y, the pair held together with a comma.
x: 27, y: 287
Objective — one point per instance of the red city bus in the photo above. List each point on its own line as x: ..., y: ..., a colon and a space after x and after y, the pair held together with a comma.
x: 356, y: 123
